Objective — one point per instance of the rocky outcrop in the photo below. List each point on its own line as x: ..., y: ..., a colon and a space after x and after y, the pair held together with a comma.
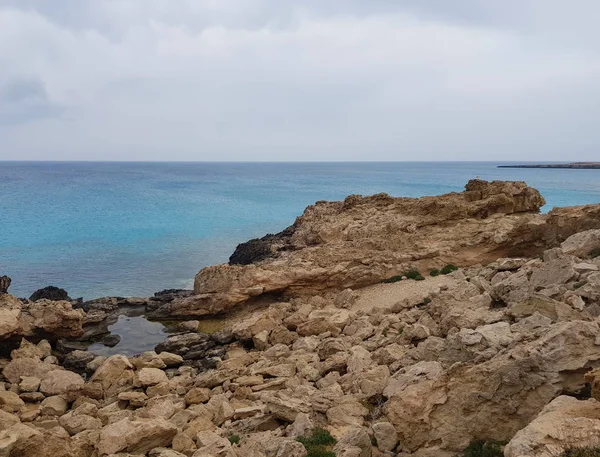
x: 4, y: 284
x: 563, y: 424
x: 42, y: 318
x: 505, y: 352
x: 50, y: 293
x: 364, y: 240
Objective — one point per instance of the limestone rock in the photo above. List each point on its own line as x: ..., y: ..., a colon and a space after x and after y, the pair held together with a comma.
x: 150, y: 377
x: 565, y: 422
x: 582, y: 244
x: 58, y: 382
x: 135, y: 437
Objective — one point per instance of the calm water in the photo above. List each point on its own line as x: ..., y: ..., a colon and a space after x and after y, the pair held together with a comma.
x: 100, y: 229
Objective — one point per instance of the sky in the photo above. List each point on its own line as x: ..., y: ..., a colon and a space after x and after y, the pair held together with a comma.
x: 265, y: 80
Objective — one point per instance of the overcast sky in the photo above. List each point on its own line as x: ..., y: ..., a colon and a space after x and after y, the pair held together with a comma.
x: 299, y: 80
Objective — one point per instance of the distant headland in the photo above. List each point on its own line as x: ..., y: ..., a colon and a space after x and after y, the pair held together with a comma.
x: 576, y: 165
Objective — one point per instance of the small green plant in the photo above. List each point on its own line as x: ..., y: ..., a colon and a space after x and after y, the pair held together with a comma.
x: 318, y: 443
x: 400, y: 331
x: 414, y: 274
x: 448, y: 269
x: 385, y: 331
x: 434, y: 272
x: 482, y: 448
x: 392, y: 279
x: 234, y: 439
x: 581, y: 452
x: 594, y: 253
x: 579, y: 284
x: 425, y: 302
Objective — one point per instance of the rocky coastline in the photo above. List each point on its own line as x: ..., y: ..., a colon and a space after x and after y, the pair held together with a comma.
x: 572, y: 165
x: 376, y: 326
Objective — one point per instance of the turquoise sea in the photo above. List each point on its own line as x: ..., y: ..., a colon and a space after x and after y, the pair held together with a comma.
x: 126, y: 229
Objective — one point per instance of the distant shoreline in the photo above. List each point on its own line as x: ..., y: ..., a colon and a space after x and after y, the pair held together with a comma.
x: 573, y: 165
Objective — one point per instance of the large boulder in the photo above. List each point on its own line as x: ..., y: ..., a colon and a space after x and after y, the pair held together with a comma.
x: 50, y: 293
x: 57, y: 319
x: 496, y: 398
x: 564, y: 423
x: 4, y: 284
x: 10, y: 311
x: 582, y: 244
x: 136, y: 437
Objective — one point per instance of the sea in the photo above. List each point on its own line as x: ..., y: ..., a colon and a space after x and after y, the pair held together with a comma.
x: 131, y: 229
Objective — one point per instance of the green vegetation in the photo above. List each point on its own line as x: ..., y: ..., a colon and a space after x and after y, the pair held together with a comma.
x: 411, y: 274
x: 425, y: 302
x: 595, y: 253
x: 448, y: 269
x: 434, y: 272
x: 234, y: 439
x: 579, y: 284
x: 392, y: 279
x: 481, y: 448
x: 414, y: 274
x: 581, y: 452
x: 318, y: 443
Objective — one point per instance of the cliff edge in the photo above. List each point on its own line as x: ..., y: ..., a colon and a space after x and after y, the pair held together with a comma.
x: 363, y: 240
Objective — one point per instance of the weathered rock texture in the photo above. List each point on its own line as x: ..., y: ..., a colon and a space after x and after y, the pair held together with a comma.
x: 41, y: 318
x: 363, y: 240
x: 509, y: 351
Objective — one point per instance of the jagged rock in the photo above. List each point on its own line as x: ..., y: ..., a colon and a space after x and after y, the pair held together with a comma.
x: 58, y: 319
x: 319, y: 251
x: 495, y: 398
x: 10, y: 311
x: 50, y: 293
x: 115, y: 375
x: 582, y: 244
x: 564, y: 423
x: 355, y: 437
x: 4, y: 284
x: 135, y: 437
x: 385, y: 436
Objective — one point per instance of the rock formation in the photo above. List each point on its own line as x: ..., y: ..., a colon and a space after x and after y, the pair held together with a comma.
x: 40, y: 318
x: 50, y: 293
x: 506, y: 350
x: 363, y: 240
x: 4, y: 284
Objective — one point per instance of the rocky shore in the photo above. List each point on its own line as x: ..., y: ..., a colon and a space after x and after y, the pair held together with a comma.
x: 376, y: 326
x: 572, y: 165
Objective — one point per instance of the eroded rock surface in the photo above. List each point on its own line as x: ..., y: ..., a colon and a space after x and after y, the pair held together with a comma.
x: 363, y: 240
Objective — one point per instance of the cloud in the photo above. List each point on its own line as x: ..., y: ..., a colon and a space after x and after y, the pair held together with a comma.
x: 267, y: 80
x: 25, y: 100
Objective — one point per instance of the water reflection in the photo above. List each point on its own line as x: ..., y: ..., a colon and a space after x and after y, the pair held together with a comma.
x: 137, y: 334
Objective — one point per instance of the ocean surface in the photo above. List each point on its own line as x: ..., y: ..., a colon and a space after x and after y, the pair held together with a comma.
x: 130, y: 229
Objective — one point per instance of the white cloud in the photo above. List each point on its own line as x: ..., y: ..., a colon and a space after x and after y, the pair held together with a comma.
x: 264, y: 80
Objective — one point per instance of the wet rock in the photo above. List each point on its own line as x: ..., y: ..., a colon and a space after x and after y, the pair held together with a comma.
x: 50, y: 293
x: 78, y: 360
x: 111, y: 340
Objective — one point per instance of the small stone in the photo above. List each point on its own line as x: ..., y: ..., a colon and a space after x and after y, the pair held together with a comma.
x: 29, y: 384
x: 151, y: 376
x: 10, y: 401
x: 54, y: 406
